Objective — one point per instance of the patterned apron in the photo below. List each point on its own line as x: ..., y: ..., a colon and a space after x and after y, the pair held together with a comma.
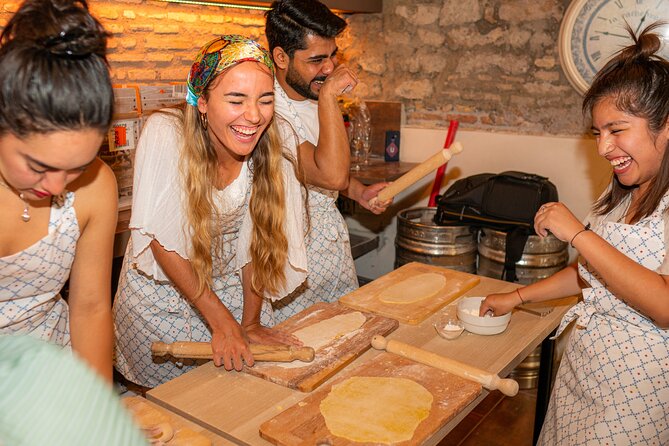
x: 31, y: 280
x: 331, y: 267
x: 612, y: 387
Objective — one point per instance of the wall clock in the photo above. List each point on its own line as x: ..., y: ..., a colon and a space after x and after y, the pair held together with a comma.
x: 593, y: 30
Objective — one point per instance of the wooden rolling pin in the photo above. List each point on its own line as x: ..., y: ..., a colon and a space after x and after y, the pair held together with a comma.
x: 490, y: 381
x: 202, y: 350
x: 418, y: 172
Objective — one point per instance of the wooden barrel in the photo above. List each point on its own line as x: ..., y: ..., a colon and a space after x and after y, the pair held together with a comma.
x: 419, y: 239
x: 542, y: 257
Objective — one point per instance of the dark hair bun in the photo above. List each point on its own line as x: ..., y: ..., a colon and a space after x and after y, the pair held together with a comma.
x: 645, y: 46
x: 62, y: 27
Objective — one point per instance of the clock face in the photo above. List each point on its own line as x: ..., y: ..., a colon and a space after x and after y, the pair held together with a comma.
x: 594, y: 30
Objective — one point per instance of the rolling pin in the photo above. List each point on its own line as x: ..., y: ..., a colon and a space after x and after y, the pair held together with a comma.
x: 202, y: 350
x: 417, y: 172
x: 488, y: 380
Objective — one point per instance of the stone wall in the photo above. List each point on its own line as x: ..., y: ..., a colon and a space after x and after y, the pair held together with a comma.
x: 491, y: 64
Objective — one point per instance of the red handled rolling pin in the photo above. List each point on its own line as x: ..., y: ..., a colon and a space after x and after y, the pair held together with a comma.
x: 418, y: 172
x: 488, y: 380
x: 202, y: 350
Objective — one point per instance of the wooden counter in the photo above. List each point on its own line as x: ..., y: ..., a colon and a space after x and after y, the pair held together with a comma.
x: 234, y: 404
x: 379, y: 171
x: 144, y: 409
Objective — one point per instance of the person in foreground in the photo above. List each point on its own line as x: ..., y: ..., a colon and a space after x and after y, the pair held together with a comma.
x: 301, y: 36
x: 50, y: 397
x: 612, y: 386
x: 58, y: 201
x: 217, y: 220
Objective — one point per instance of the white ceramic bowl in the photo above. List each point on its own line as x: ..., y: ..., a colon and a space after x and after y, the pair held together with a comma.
x: 468, y: 310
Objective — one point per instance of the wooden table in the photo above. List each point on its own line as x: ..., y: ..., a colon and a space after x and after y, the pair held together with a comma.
x: 179, y: 422
x: 234, y: 404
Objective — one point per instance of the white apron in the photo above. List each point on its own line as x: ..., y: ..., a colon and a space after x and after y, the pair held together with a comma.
x: 331, y: 270
x: 612, y: 387
x: 31, y: 280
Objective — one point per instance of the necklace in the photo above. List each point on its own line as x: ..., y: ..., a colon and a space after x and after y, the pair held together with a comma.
x: 25, y: 216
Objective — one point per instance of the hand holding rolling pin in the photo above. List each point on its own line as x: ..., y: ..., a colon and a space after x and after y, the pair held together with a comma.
x: 416, y: 174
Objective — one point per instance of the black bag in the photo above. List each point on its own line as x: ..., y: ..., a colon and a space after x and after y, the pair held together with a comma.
x: 505, y: 202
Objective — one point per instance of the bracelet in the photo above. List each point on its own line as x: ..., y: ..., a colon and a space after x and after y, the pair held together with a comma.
x: 586, y: 228
x: 521, y: 297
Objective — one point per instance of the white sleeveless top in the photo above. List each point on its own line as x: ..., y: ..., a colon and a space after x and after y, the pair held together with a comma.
x: 31, y: 280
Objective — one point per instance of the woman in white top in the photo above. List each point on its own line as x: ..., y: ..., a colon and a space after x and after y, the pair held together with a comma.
x: 58, y: 201
x: 217, y: 220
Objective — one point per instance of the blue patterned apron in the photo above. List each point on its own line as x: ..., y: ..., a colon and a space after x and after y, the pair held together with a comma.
x: 330, y: 263
x: 612, y: 387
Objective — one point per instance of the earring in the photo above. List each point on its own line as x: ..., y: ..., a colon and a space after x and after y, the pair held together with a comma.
x: 203, y: 120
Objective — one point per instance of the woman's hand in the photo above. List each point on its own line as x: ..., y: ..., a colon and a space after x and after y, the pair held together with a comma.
x: 556, y: 218
x: 499, y: 304
x: 259, y: 334
x: 231, y: 348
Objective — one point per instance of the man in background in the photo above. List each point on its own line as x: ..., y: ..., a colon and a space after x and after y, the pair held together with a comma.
x: 301, y: 36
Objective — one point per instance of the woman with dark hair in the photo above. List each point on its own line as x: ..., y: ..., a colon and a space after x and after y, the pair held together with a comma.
x: 57, y: 199
x: 217, y: 226
x: 612, y: 386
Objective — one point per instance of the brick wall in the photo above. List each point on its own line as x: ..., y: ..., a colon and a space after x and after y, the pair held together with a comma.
x: 491, y: 64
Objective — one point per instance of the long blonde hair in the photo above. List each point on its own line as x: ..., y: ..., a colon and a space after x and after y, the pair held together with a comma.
x: 199, y: 171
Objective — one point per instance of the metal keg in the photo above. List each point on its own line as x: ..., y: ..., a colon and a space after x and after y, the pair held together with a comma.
x: 542, y: 257
x: 419, y: 239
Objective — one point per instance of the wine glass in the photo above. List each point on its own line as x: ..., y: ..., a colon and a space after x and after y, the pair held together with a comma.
x: 363, y: 132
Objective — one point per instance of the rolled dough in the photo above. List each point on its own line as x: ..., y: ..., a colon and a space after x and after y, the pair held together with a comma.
x: 322, y: 333
x: 413, y: 289
x: 376, y: 409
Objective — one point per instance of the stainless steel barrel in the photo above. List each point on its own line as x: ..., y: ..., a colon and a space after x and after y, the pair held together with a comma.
x: 419, y: 239
x: 542, y: 257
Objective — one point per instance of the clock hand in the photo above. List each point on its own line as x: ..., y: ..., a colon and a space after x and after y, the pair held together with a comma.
x: 606, y: 33
x: 643, y: 19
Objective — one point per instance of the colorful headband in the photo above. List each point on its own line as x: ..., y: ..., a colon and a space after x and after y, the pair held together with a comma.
x: 218, y: 55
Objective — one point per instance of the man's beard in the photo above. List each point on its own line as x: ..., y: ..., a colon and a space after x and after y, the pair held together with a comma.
x: 297, y: 83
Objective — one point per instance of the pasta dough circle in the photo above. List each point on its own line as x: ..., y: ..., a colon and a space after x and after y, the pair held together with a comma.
x: 413, y: 289
x: 376, y: 409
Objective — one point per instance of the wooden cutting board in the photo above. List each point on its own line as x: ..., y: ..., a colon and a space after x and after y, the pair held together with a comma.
x: 303, y: 424
x: 186, y: 433
x: 330, y: 358
x: 366, y: 298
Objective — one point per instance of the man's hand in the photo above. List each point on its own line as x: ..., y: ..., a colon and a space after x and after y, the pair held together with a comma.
x: 341, y: 80
x: 370, y: 192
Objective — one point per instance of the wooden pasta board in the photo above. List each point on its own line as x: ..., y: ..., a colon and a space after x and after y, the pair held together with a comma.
x: 329, y: 359
x: 148, y: 414
x: 366, y: 298
x: 303, y: 424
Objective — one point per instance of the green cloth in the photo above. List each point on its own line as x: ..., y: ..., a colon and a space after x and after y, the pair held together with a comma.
x: 49, y: 397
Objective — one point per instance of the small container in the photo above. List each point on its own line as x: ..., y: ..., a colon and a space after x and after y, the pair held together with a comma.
x: 449, y: 328
x: 468, y: 310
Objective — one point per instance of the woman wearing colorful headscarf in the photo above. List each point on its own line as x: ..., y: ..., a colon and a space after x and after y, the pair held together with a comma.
x: 217, y: 224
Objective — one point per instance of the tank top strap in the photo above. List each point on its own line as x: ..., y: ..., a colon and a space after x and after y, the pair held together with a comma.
x: 62, y: 210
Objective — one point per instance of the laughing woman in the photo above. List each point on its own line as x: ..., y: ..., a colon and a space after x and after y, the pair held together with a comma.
x: 217, y: 222
x: 612, y: 386
x: 58, y: 201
